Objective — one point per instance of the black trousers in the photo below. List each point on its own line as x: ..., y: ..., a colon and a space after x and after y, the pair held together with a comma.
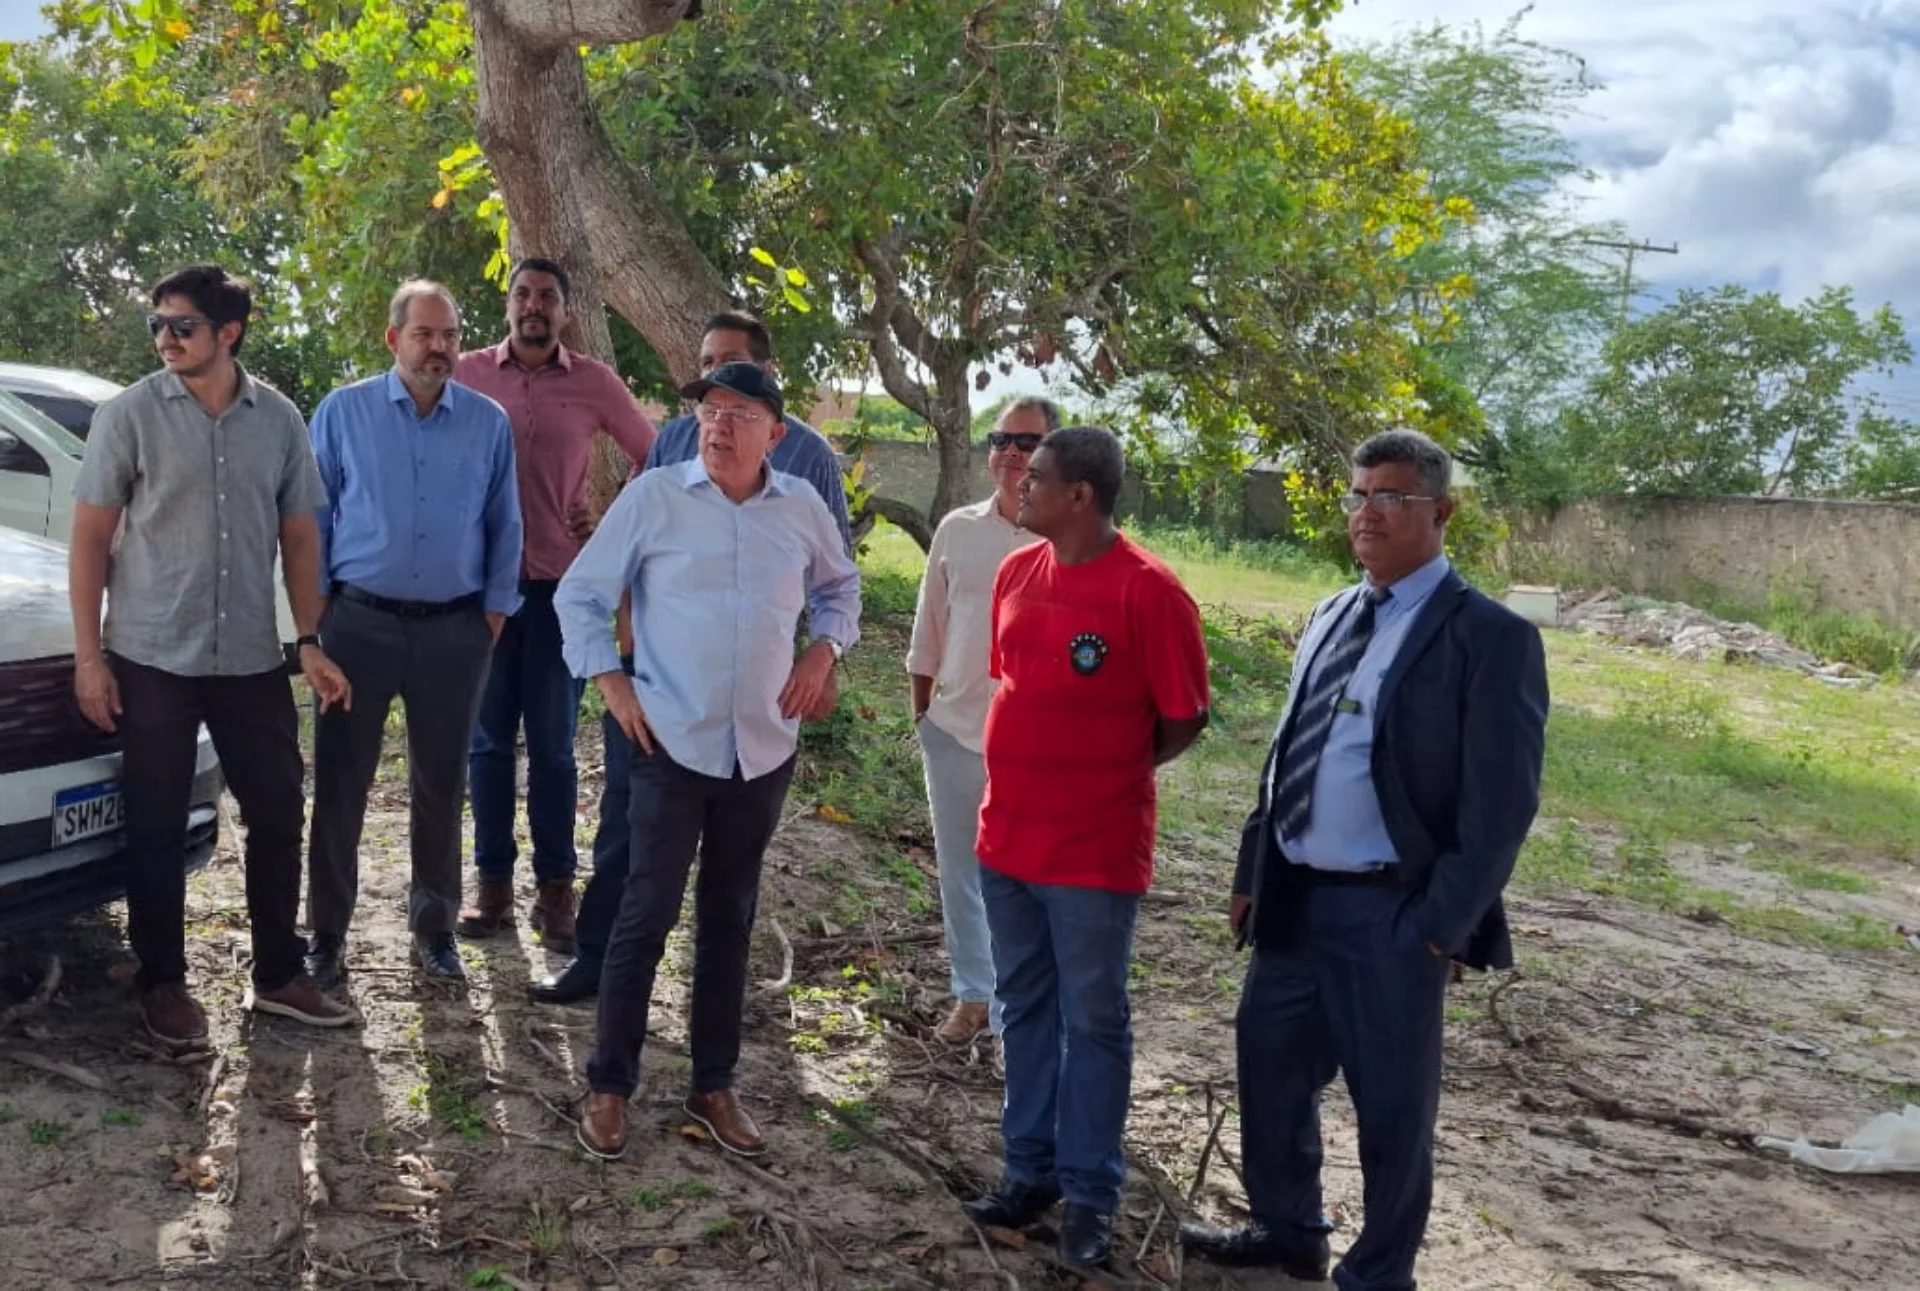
x: 256, y: 732
x: 436, y: 667
x: 674, y: 813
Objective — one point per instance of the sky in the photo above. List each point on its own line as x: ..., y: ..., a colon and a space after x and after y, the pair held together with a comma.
x: 1776, y: 142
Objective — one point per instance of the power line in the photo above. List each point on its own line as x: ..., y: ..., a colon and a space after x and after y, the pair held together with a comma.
x: 1632, y: 249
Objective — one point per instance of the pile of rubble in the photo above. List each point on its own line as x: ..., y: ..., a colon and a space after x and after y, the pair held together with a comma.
x: 1691, y: 633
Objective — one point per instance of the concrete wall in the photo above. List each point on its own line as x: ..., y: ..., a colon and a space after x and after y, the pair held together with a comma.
x: 906, y: 473
x: 1860, y: 556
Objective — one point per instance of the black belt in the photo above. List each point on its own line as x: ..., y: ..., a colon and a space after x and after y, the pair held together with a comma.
x: 1386, y: 876
x: 408, y: 609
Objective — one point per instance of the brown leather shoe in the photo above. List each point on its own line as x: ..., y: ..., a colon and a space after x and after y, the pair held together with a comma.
x: 171, y: 1016
x: 603, y: 1126
x: 491, y: 910
x: 302, y: 1001
x: 727, y: 1121
x: 553, y: 915
x: 967, y: 1019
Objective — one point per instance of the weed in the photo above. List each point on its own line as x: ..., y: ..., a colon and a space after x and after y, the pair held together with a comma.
x: 440, y: 1096
x: 714, y: 1230
x: 488, y: 1277
x: 698, y: 1188
x: 646, y: 1199
x: 119, y: 1116
x: 47, y: 1133
x: 546, y: 1228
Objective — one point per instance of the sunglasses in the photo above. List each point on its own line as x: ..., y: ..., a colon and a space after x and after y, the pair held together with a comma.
x: 1000, y: 439
x: 183, y: 326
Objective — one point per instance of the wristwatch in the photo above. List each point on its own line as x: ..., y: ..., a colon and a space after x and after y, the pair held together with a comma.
x: 301, y: 643
x: 839, y: 651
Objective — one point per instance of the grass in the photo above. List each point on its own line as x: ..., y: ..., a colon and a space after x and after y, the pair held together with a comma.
x: 1650, y: 759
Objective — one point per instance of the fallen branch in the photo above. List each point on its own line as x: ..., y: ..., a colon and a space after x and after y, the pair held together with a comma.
x: 506, y: 1086
x: 214, y: 1074
x: 1615, y: 1108
x: 49, y: 983
x: 1505, y: 984
x: 785, y: 979
x: 53, y: 1067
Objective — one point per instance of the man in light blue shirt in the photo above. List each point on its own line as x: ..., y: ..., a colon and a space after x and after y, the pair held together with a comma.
x: 719, y: 555
x: 420, y: 561
x: 801, y: 451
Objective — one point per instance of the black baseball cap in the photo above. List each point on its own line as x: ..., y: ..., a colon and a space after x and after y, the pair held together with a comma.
x: 746, y: 379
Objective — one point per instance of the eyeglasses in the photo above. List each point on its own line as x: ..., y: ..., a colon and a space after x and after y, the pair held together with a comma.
x: 715, y: 413
x: 1385, y: 501
x: 1001, y: 439
x: 183, y: 326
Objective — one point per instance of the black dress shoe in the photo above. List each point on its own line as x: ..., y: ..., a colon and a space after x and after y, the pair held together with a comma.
x: 571, y: 984
x: 1012, y: 1204
x: 1254, y: 1245
x: 326, y: 960
x: 1086, y: 1236
x: 438, y: 957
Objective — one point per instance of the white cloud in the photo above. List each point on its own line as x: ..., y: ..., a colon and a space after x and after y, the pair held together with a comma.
x: 1778, y: 143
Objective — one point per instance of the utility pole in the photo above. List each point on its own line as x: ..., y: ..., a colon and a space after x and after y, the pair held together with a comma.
x: 1626, y: 277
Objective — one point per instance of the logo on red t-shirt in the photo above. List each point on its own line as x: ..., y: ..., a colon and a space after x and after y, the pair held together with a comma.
x: 1087, y: 652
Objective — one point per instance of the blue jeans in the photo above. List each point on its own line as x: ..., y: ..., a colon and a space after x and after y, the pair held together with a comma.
x: 600, y: 903
x: 528, y: 683
x: 1060, y: 957
x: 1353, y: 990
x: 956, y: 782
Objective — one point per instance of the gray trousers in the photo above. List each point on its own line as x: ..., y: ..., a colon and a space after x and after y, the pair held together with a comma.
x: 436, y: 667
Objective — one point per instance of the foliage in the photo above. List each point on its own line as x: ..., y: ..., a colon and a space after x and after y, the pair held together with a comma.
x: 1726, y: 391
x: 1100, y: 186
x: 1883, y: 461
x: 1488, y: 114
x: 97, y: 208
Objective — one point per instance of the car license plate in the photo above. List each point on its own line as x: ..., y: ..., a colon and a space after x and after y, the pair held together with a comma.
x: 86, y: 811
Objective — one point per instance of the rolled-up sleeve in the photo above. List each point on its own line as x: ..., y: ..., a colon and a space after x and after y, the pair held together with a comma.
x: 593, y: 585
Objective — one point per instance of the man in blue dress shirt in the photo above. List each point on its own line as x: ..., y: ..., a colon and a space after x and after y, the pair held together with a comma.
x: 718, y: 556
x: 800, y: 450
x: 1397, y: 793
x: 420, y: 562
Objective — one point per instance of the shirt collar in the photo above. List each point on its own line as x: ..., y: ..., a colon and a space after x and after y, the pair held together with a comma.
x: 990, y: 509
x: 693, y: 474
x: 1419, y: 585
x: 397, y: 392
x: 503, y: 355
x: 172, y: 387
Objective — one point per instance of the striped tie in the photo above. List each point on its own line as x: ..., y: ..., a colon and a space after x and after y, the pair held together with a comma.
x: 1292, y: 800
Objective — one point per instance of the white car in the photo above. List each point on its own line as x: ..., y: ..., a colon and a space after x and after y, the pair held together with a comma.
x: 62, y: 848
x: 39, y: 465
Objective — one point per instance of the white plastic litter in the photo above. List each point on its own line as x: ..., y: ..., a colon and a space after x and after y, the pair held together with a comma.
x: 1887, y: 1144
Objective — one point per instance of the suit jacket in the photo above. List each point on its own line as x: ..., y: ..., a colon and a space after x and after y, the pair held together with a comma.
x: 1459, y: 736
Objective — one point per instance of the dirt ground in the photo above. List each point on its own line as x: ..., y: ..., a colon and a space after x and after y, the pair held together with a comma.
x: 1591, y: 1134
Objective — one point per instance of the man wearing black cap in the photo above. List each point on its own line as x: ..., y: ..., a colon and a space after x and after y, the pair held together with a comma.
x: 719, y: 555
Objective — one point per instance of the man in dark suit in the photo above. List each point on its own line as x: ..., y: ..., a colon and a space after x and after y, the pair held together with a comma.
x: 1396, y: 796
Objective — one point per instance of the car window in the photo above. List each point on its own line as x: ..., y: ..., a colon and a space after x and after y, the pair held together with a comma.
x: 19, y: 457
x: 75, y: 414
x: 14, y: 410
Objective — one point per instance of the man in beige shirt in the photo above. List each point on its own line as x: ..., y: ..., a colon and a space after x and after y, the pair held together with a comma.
x: 947, y: 665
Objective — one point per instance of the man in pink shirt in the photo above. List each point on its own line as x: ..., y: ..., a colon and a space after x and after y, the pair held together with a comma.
x: 557, y: 401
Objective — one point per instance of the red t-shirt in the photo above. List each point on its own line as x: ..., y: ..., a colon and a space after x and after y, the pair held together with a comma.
x: 1088, y: 657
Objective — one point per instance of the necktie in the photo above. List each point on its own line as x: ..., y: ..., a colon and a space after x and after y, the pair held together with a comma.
x: 1292, y: 801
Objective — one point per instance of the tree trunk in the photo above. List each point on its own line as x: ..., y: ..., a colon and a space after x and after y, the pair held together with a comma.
x: 571, y: 197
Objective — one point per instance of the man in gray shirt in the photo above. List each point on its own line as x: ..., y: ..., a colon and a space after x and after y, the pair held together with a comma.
x: 202, y: 472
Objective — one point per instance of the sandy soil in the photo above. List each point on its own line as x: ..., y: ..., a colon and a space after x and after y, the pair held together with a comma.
x: 439, y: 1129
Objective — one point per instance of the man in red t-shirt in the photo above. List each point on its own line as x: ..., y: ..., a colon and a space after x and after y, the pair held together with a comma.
x: 1103, y: 676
